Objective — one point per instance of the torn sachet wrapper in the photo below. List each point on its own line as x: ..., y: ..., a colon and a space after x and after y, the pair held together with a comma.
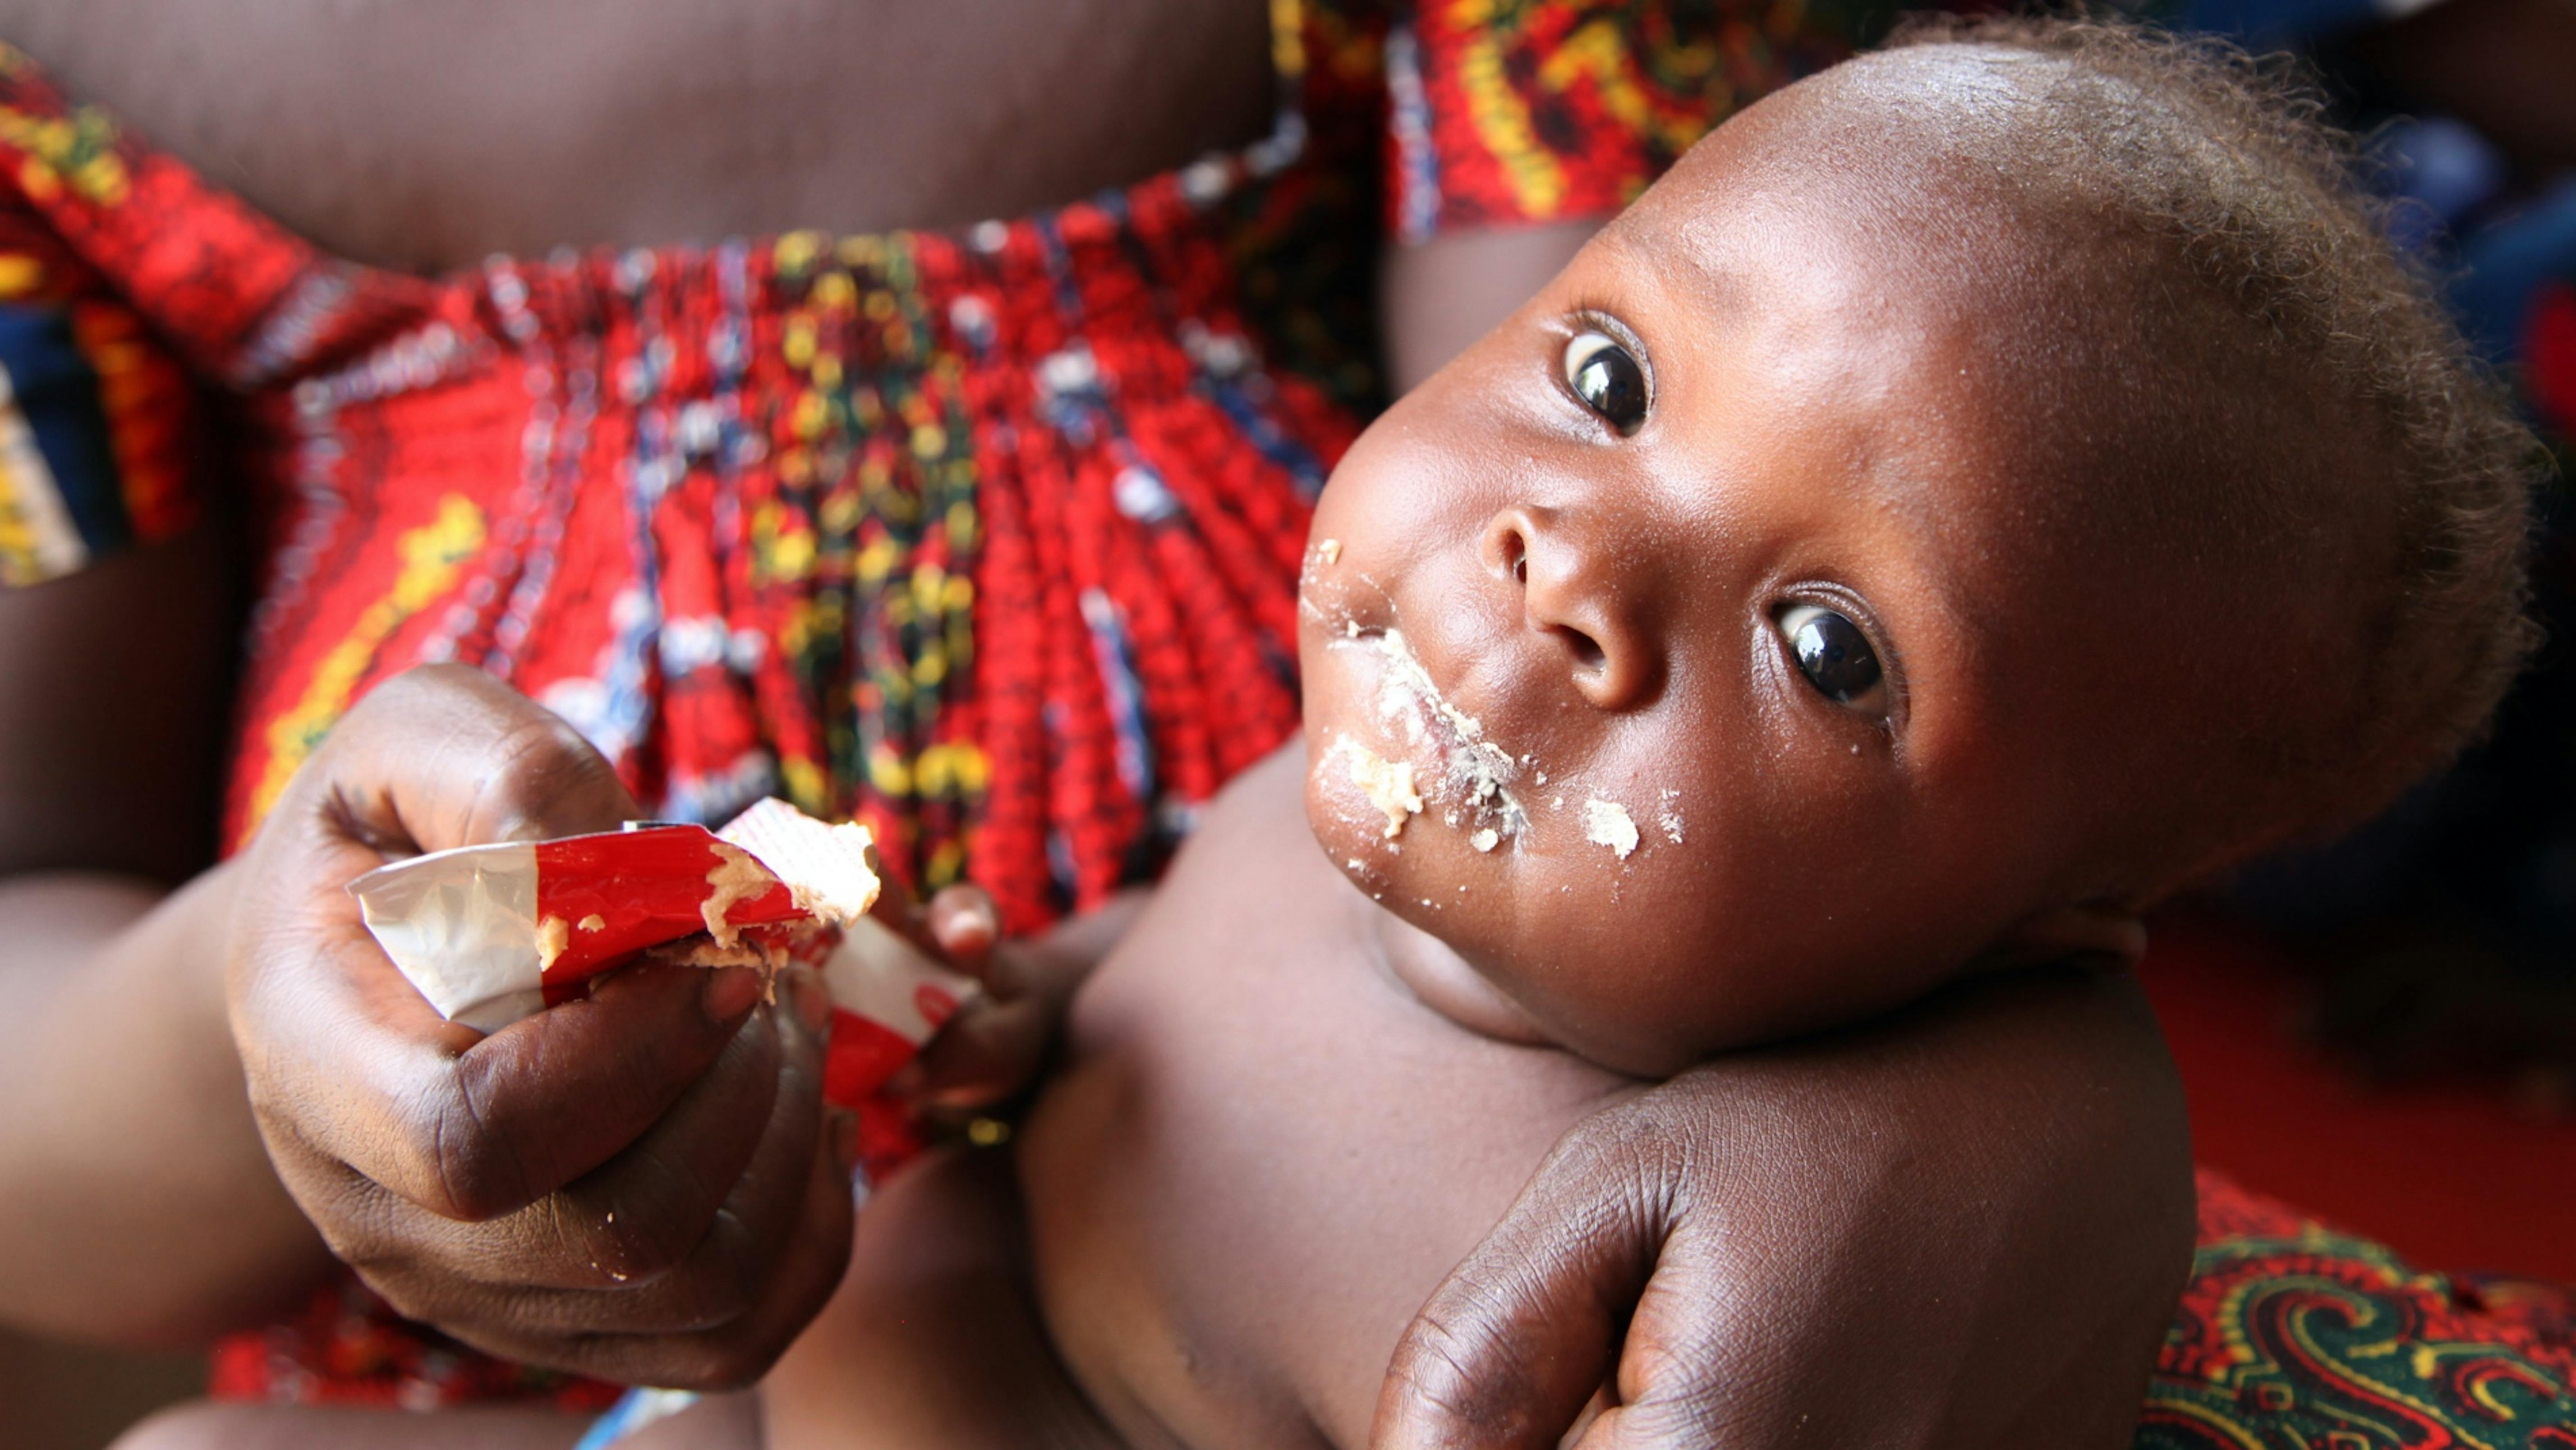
x: 493, y: 934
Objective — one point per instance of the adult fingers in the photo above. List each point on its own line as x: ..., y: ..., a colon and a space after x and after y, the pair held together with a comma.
x: 447, y: 756
x: 1676, y: 1386
x: 741, y: 1350
x: 816, y: 1256
x: 737, y: 1255
x: 639, y: 1215
x: 1516, y: 1340
x: 377, y: 1081
x: 725, y: 1313
x: 343, y: 1052
x: 592, y: 1258
x: 737, y: 1351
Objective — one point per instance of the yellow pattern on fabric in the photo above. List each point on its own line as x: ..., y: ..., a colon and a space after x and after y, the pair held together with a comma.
x: 20, y: 275
x: 2215, y: 1423
x: 79, y: 148
x: 1502, y: 118
x: 19, y: 565
x: 1598, y: 51
x: 2323, y: 1345
x: 38, y: 539
x: 782, y: 546
x: 1288, y: 39
x: 432, y: 556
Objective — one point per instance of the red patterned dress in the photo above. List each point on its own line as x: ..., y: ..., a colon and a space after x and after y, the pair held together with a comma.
x: 988, y: 538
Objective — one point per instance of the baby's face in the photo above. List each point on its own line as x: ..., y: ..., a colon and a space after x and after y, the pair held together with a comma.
x: 1705, y: 606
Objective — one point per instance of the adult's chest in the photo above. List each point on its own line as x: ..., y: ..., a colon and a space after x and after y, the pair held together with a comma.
x: 1265, y: 1156
x: 430, y: 133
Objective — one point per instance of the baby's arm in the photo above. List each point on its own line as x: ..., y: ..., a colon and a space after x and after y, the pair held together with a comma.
x: 1437, y: 296
x: 1965, y: 1226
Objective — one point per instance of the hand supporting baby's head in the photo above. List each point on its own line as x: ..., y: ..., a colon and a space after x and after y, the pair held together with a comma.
x: 1980, y: 490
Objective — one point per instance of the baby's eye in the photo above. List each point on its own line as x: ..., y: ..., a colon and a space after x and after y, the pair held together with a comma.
x: 1602, y: 373
x: 1833, y: 654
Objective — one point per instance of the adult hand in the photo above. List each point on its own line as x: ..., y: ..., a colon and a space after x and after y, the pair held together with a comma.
x: 636, y: 1185
x: 1963, y: 1227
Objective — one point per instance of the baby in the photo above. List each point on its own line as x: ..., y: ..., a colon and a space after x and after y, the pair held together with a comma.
x: 1982, y: 489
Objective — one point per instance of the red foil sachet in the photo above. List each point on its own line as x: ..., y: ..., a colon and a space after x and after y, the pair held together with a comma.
x: 492, y: 934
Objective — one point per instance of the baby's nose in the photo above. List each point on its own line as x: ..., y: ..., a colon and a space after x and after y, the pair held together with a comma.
x: 1575, y: 592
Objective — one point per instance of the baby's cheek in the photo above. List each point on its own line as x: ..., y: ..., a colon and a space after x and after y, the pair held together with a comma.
x: 1347, y: 825
x: 1621, y: 970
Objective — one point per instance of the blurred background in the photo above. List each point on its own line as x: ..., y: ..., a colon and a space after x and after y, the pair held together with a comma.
x: 2382, y: 1032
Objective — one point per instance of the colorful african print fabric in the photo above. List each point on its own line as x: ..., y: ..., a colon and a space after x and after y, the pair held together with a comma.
x: 986, y: 538
x: 2293, y: 1336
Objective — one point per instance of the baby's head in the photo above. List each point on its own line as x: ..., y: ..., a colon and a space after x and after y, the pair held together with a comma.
x: 1982, y: 489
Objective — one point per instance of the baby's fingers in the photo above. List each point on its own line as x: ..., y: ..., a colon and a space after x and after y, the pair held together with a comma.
x: 964, y: 924
x: 989, y: 1052
x: 957, y: 927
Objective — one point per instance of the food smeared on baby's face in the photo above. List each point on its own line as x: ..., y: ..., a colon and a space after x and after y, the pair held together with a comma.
x: 1735, y: 525
x: 1607, y: 823
x: 1388, y: 784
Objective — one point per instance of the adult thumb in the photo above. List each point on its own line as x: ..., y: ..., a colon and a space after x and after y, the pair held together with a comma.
x: 1517, y: 1340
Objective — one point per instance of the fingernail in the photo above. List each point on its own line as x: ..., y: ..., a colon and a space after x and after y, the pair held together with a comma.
x: 964, y: 920
x: 730, y: 992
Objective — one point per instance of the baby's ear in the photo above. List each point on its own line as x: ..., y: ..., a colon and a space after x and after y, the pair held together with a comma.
x: 2091, y: 930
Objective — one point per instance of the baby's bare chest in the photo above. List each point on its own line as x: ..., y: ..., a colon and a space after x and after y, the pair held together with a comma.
x: 429, y: 133
x: 1262, y: 1160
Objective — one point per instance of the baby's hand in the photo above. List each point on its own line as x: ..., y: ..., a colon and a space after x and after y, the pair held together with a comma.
x: 991, y: 1051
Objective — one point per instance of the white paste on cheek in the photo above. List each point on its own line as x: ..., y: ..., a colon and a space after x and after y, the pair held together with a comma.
x: 1320, y: 555
x: 1670, y: 816
x: 1606, y: 823
x: 1388, y: 784
x: 1472, y: 768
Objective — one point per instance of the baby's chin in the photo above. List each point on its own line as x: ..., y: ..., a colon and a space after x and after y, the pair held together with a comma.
x: 1389, y: 830
x: 1416, y: 941
x: 1361, y: 808
x: 1427, y: 921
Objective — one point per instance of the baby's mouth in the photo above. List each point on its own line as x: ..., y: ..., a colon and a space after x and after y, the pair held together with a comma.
x: 1470, y: 777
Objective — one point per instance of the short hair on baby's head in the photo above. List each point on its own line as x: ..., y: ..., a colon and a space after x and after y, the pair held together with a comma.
x: 2222, y: 169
